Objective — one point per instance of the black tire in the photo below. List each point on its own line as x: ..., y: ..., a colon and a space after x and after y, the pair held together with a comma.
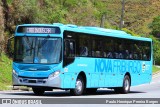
x: 117, y: 90
x: 126, y: 86
x: 90, y: 90
x: 38, y: 91
x: 79, y: 87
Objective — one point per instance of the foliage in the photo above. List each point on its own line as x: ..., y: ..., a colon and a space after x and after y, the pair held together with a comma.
x: 155, y: 26
x: 138, y: 13
x: 129, y: 32
x: 50, y: 11
x: 156, y: 49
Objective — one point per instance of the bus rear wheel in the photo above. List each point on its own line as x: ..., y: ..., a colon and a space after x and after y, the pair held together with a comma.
x: 79, y: 87
x: 38, y: 91
x: 126, y: 86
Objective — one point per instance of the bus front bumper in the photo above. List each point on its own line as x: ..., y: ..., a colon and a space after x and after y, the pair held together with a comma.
x: 54, y: 82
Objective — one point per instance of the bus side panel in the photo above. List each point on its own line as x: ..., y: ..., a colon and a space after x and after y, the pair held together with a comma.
x: 134, y: 79
x: 99, y: 73
x: 144, y: 75
x: 102, y: 80
x: 107, y: 72
x: 94, y: 80
x: 67, y: 80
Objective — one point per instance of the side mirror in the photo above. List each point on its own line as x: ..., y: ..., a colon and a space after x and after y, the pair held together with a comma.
x: 10, y: 46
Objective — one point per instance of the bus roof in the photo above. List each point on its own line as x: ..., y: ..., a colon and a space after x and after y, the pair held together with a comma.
x: 91, y: 30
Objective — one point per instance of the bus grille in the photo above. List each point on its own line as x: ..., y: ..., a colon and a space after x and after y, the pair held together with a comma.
x: 30, y: 80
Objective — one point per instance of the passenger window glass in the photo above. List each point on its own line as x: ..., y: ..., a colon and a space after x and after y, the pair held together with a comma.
x: 69, y: 48
x: 84, y: 45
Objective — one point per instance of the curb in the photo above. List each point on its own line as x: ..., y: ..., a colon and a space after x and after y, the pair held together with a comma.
x: 19, y: 88
x: 158, y: 72
x: 154, y: 75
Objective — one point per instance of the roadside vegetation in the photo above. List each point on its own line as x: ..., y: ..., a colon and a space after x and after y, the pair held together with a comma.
x: 5, y: 72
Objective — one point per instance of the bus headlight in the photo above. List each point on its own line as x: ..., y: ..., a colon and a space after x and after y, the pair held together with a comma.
x: 14, y: 72
x: 54, y: 74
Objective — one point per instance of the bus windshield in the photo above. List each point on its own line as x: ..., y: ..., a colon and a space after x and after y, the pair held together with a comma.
x: 37, y: 50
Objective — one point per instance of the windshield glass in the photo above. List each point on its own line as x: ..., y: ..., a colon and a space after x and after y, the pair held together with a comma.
x: 37, y: 50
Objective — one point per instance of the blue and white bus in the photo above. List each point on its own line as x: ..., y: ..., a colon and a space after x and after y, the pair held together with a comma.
x: 79, y: 58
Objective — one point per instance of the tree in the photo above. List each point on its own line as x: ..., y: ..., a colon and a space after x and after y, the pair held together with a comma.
x: 1, y: 28
x: 156, y: 50
x: 155, y: 26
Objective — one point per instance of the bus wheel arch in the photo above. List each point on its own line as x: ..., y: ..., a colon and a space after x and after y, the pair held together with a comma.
x: 125, y: 85
x: 84, y: 77
x: 80, y: 84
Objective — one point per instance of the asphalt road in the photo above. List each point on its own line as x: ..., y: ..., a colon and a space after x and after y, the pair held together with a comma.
x: 151, y: 90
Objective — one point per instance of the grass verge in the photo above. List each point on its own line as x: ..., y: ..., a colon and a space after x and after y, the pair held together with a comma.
x: 5, y: 72
x: 155, y: 69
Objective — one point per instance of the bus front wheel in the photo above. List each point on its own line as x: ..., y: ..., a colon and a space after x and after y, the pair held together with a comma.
x: 126, y: 86
x: 79, y: 87
x: 38, y: 91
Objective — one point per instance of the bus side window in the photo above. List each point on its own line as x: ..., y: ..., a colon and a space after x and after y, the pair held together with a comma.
x: 72, y: 48
x: 83, y: 51
x: 66, y: 48
x: 69, y: 48
x: 69, y: 52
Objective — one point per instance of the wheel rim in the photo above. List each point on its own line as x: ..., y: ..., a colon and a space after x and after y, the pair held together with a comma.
x: 78, y: 86
x: 126, y: 85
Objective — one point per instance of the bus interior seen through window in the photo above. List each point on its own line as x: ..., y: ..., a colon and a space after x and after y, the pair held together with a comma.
x: 110, y: 47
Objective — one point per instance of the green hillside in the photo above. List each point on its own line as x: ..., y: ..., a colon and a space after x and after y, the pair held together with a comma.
x: 138, y: 13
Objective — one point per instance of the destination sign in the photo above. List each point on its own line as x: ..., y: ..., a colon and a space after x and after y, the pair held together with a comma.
x: 40, y: 30
x: 43, y: 30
